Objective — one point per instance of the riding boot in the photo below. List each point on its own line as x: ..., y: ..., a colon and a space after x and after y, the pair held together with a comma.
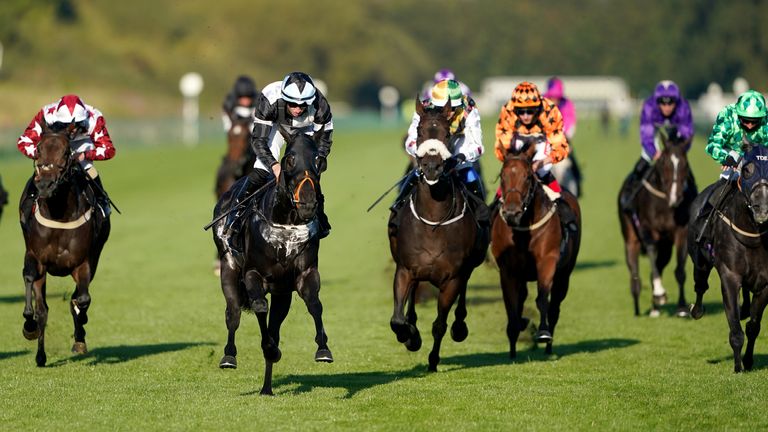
x: 324, y: 226
x: 406, y: 187
x: 100, y: 195
x: 712, y: 204
x: 633, y: 185
x: 479, y: 208
x: 567, y: 216
x: 233, y: 223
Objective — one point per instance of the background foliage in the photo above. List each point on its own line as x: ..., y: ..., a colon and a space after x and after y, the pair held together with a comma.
x: 128, y: 56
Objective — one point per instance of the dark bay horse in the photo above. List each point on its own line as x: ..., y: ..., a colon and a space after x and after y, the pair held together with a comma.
x: 239, y: 159
x: 660, y: 223
x: 64, y: 236
x: 737, y: 246
x: 280, y: 257
x: 529, y: 245
x: 438, y: 240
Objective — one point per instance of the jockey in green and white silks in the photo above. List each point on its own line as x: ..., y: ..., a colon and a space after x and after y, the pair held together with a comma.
x: 745, y: 121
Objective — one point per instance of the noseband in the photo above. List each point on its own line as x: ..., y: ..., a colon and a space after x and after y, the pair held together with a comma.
x: 297, y: 190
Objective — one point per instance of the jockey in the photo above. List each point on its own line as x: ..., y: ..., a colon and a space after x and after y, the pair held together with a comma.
x: 240, y: 101
x: 466, y: 136
x: 556, y: 94
x: 294, y: 104
x: 665, y: 108
x: 528, y: 116
x: 441, y: 75
x: 745, y: 121
x: 91, y: 142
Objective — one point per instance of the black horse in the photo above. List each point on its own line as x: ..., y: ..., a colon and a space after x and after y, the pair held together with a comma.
x: 437, y: 241
x: 736, y: 244
x: 280, y: 256
x: 3, y: 197
x: 64, y: 235
x: 659, y: 222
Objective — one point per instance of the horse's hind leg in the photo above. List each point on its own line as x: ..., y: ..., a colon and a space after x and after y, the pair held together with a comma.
x: 229, y: 285
x: 514, y: 293
x: 559, y: 290
x: 745, y: 304
x: 30, y: 273
x: 631, y: 254
x: 78, y: 306
x: 41, y: 312
x: 309, y: 290
x: 281, y: 303
x: 448, y: 293
x: 658, y: 293
x: 414, y: 341
x: 753, y: 326
x: 701, y: 271
x: 681, y: 245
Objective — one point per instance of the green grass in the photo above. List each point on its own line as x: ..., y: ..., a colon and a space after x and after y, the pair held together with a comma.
x: 156, y: 330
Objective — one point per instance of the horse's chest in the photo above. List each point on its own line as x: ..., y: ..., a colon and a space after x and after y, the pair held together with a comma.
x: 287, y: 241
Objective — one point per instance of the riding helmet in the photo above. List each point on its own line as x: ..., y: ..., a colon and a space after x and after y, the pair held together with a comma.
x: 298, y: 88
x: 526, y: 94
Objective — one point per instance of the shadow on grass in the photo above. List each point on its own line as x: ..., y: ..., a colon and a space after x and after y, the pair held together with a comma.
x: 589, y: 265
x: 11, y: 354
x: 124, y: 353
x: 760, y: 360
x: 12, y: 299
x: 352, y: 382
x: 358, y: 381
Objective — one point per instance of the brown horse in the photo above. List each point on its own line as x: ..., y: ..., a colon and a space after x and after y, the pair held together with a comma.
x: 239, y: 160
x: 529, y: 244
x: 281, y: 256
x: 437, y: 240
x: 64, y: 236
x: 660, y: 222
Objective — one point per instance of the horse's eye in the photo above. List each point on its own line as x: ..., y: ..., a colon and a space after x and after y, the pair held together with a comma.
x: 748, y: 170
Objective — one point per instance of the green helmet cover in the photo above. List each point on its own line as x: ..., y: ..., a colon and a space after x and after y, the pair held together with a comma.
x: 751, y: 104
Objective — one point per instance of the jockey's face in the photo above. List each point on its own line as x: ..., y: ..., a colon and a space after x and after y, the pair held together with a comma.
x: 526, y: 115
x: 296, y: 110
x: 667, y: 106
x: 244, y: 101
x: 748, y: 124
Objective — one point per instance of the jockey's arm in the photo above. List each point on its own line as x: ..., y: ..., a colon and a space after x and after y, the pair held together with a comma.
x: 27, y: 143
x: 259, y: 144
x: 718, y: 144
x: 410, y: 139
x: 553, y: 129
x: 647, y: 131
x: 472, y: 144
x: 504, y: 131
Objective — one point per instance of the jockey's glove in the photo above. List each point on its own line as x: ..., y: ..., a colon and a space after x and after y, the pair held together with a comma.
x: 321, y: 163
x: 731, y: 161
x: 455, y: 161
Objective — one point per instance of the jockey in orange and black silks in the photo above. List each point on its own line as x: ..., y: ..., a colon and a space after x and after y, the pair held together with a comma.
x: 527, y: 115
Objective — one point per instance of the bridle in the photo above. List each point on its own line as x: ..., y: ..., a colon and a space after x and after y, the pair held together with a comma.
x: 295, y: 199
x: 528, y: 195
x: 63, y: 168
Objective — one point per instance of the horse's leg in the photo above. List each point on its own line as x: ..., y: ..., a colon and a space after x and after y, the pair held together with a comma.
x: 753, y: 326
x: 309, y: 290
x: 229, y: 286
x: 30, y: 273
x: 78, y: 306
x: 459, y: 330
x: 631, y: 254
x: 448, y: 293
x: 559, y: 290
x: 414, y: 341
x: 730, y: 283
x: 41, y: 312
x: 514, y: 293
x: 545, y: 270
x: 658, y: 294
x: 681, y: 246
x: 745, y: 304
x: 280, y: 305
x: 403, y: 285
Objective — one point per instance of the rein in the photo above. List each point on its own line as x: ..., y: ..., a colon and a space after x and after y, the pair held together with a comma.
x: 655, y: 192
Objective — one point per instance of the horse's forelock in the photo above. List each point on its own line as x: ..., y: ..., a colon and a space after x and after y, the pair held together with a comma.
x: 433, y: 147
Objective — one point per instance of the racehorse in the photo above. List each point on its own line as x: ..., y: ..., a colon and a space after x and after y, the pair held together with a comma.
x: 529, y: 244
x: 737, y: 246
x: 660, y: 222
x: 3, y: 197
x: 568, y: 174
x: 280, y: 256
x: 239, y: 160
x: 64, y: 236
x: 437, y: 241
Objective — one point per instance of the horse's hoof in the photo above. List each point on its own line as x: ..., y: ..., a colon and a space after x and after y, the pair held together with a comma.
x: 79, y: 348
x: 414, y: 343
x: 682, y: 312
x: 30, y: 335
x: 654, y: 313
x: 459, y: 331
x: 40, y: 359
x: 697, y: 311
x: 228, y: 362
x: 324, y: 356
x: 660, y: 300
x: 266, y: 392
x: 543, y: 336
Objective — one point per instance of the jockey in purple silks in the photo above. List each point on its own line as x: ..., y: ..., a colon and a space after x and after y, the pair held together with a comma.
x: 666, y: 108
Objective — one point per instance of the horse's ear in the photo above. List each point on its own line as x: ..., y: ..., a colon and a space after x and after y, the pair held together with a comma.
x: 419, y: 106
x: 448, y: 111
